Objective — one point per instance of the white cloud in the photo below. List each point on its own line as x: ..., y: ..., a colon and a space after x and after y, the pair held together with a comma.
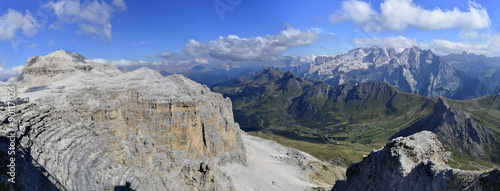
x: 260, y: 48
x: 120, y: 5
x: 468, y: 35
x: 317, y: 30
x: 201, y: 61
x: 31, y: 46
x: 489, y: 47
x: 168, y: 55
x: 123, y: 62
x: 443, y: 47
x: 361, y: 13
x: 11, y: 72
x: 397, y: 42
x: 402, y: 14
x: 14, y: 21
x: 93, y: 17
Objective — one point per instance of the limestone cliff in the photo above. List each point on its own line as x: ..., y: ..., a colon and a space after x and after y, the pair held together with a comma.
x: 138, y: 129
x: 416, y: 162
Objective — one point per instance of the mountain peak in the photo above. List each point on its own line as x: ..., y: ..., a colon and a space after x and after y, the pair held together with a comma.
x: 57, y: 59
x: 62, y: 55
x: 62, y: 61
x: 442, y: 104
x: 269, y: 73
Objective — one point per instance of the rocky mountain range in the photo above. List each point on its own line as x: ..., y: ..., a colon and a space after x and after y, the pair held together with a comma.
x: 413, y: 70
x: 417, y: 162
x: 89, y: 126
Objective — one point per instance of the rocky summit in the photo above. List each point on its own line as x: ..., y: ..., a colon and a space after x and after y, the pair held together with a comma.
x: 94, y: 128
x: 413, y: 70
x: 416, y: 162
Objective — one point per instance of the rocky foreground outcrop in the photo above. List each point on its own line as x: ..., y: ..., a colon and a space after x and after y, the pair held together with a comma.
x: 416, y: 162
x: 456, y: 130
x: 102, y: 130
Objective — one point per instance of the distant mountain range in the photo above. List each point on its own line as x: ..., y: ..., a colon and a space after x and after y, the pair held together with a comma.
x: 475, y: 65
x: 413, y: 70
x: 215, y: 73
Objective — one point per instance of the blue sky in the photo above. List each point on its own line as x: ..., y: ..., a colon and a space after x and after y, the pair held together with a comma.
x: 125, y: 32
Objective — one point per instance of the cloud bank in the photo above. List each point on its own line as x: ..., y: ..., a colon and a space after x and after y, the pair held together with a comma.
x: 490, y: 47
x: 260, y: 48
x: 92, y: 17
x: 402, y: 14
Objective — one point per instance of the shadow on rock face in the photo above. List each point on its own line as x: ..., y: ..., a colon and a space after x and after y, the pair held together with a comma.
x: 124, y: 188
x: 28, y: 173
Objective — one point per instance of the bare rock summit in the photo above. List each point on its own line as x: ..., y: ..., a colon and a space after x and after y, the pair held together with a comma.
x: 416, y: 162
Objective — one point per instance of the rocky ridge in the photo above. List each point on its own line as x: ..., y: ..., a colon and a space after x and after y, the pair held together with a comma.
x: 416, y: 162
x: 455, y: 129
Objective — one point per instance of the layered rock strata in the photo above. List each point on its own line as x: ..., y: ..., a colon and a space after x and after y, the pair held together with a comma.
x: 138, y: 130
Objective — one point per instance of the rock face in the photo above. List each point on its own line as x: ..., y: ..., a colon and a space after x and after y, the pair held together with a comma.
x: 455, y: 129
x: 138, y: 129
x: 413, y: 70
x: 416, y: 162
